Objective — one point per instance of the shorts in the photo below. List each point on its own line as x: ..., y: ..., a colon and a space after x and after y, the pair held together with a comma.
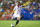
x: 14, y: 16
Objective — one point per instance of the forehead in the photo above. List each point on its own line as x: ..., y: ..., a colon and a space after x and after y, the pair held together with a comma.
x: 17, y: 2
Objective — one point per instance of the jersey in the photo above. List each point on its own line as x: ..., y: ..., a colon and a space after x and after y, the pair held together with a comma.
x: 17, y: 12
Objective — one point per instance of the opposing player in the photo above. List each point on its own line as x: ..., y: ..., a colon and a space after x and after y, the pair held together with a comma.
x: 17, y: 12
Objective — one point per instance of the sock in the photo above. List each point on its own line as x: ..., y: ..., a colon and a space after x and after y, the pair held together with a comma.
x: 17, y: 22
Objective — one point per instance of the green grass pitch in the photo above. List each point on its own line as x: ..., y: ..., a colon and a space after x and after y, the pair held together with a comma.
x: 22, y: 23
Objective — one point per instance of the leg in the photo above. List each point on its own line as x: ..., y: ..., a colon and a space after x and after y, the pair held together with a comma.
x: 17, y: 20
x: 12, y: 18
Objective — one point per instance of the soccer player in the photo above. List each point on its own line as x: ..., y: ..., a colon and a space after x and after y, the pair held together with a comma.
x: 17, y: 12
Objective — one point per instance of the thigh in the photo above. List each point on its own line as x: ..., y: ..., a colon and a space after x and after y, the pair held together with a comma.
x: 18, y: 18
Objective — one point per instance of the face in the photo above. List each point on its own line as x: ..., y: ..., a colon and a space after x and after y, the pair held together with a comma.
x: 17, y: 3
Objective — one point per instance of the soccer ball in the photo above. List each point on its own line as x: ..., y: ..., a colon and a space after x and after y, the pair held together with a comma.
x: 12, y: 25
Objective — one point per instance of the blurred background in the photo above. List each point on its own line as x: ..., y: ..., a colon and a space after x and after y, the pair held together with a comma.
x: 30, y: 9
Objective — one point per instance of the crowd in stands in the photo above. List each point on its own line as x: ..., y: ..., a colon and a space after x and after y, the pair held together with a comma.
x: 6, y: 7
x: 31, y: 11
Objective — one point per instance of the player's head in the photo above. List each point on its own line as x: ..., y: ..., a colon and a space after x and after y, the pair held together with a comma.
x: 18, y: 3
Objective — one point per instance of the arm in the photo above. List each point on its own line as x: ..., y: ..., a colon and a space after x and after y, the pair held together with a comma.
x: 13, y: 11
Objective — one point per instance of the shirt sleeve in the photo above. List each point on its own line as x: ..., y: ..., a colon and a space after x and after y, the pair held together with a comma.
x: 14, y: 8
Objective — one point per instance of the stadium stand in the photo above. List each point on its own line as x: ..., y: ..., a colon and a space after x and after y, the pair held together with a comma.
x: 30, y: 9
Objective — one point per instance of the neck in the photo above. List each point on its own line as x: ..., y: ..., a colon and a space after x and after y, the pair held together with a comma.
x: 18, y: 5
